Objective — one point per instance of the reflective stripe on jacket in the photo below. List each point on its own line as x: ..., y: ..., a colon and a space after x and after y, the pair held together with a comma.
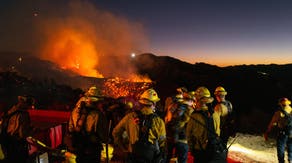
x: 128, y: 125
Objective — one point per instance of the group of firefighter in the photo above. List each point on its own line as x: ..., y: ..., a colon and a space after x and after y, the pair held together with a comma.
x: 189, y: 122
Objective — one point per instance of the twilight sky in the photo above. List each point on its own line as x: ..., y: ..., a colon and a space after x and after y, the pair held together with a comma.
x: 223, y: 33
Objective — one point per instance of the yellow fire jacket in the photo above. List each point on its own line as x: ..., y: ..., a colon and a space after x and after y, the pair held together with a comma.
x: 128, y: 129
x: 92, y: 121
x: 19, y: 124
x: 197, y: 134
x: 220, y: 110
x: 278, y: 119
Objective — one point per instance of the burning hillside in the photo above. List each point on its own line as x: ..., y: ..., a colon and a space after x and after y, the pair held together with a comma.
x: 80, y: 37
x: 117, y: 87
x: 84, y: 38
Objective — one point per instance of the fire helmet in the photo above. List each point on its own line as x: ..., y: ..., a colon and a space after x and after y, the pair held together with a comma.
x: 149, y: 97
x: 220, y: 91
x: 179, y: 98
x: 203, y: 94
x: 93, y: 91
x: 284, y: 101
x: 129, y: 104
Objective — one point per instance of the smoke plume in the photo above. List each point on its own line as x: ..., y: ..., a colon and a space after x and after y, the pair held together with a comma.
x: 76, y: 35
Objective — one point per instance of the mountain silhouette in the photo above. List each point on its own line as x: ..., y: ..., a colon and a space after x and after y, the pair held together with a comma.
x: 254, y: 90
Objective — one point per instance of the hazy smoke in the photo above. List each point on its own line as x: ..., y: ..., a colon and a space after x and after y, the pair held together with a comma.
x: 74, y: 34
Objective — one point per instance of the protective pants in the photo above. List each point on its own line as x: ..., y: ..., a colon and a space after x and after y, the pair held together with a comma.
x: 181, y: 151
x: 282, y: 141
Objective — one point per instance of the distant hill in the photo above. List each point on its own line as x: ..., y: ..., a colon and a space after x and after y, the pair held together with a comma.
x: 247, y: 83
x: 253, y: 89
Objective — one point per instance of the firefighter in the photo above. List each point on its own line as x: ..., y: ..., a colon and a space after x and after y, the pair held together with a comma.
x: 223, y: 110
x: 92, y: 93
x: 172, y: 102
x: 282, y: 120
x: 87, y: 127
x: 117, y: 111
x: 128, y: 127
x: 16, y: 127
x: 90, y: 99
x: 200, y: 131
x: 176, y: 129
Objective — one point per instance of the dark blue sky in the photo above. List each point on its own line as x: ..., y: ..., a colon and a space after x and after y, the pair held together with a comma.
x: 221, y: 32
x: 224, y: 32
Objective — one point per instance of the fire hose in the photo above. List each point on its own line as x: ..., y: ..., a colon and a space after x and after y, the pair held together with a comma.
x: 232, y: 142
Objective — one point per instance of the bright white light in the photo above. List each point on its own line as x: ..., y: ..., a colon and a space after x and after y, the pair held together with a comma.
x: 240, y: 148
x: 133, y: 55
x: 257, y: 155
x: 43, y: 158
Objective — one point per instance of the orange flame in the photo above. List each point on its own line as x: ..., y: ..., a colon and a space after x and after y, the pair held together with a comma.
x: 139, y: 78
x: 117, y: 87
x: 84, y: 39
x: 72, y: 50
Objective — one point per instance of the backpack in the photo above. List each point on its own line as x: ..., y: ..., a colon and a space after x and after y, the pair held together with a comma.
x: 8, y: 141
x: 143, y: 150
x: 216, y: 148
x: 174, y: 130
x: 4, y: 124
x: 227, y: 123
x: 82, y: 140
x: 288, y: 123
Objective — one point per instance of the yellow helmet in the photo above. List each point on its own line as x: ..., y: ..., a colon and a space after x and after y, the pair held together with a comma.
x: 93, y: 91
x: 149, y: 97
x: 284, y: 101
x: 129, y: 104
x: 203, y: 94
x: 179, y: 98
x: 220, y: 91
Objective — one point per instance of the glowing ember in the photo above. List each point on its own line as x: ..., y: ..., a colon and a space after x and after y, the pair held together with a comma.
x: 137, y: 78
x: 118, y: 87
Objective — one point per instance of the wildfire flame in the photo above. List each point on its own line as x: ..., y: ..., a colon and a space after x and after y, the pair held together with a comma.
x: 72, y: 50
x: 83, y: 39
